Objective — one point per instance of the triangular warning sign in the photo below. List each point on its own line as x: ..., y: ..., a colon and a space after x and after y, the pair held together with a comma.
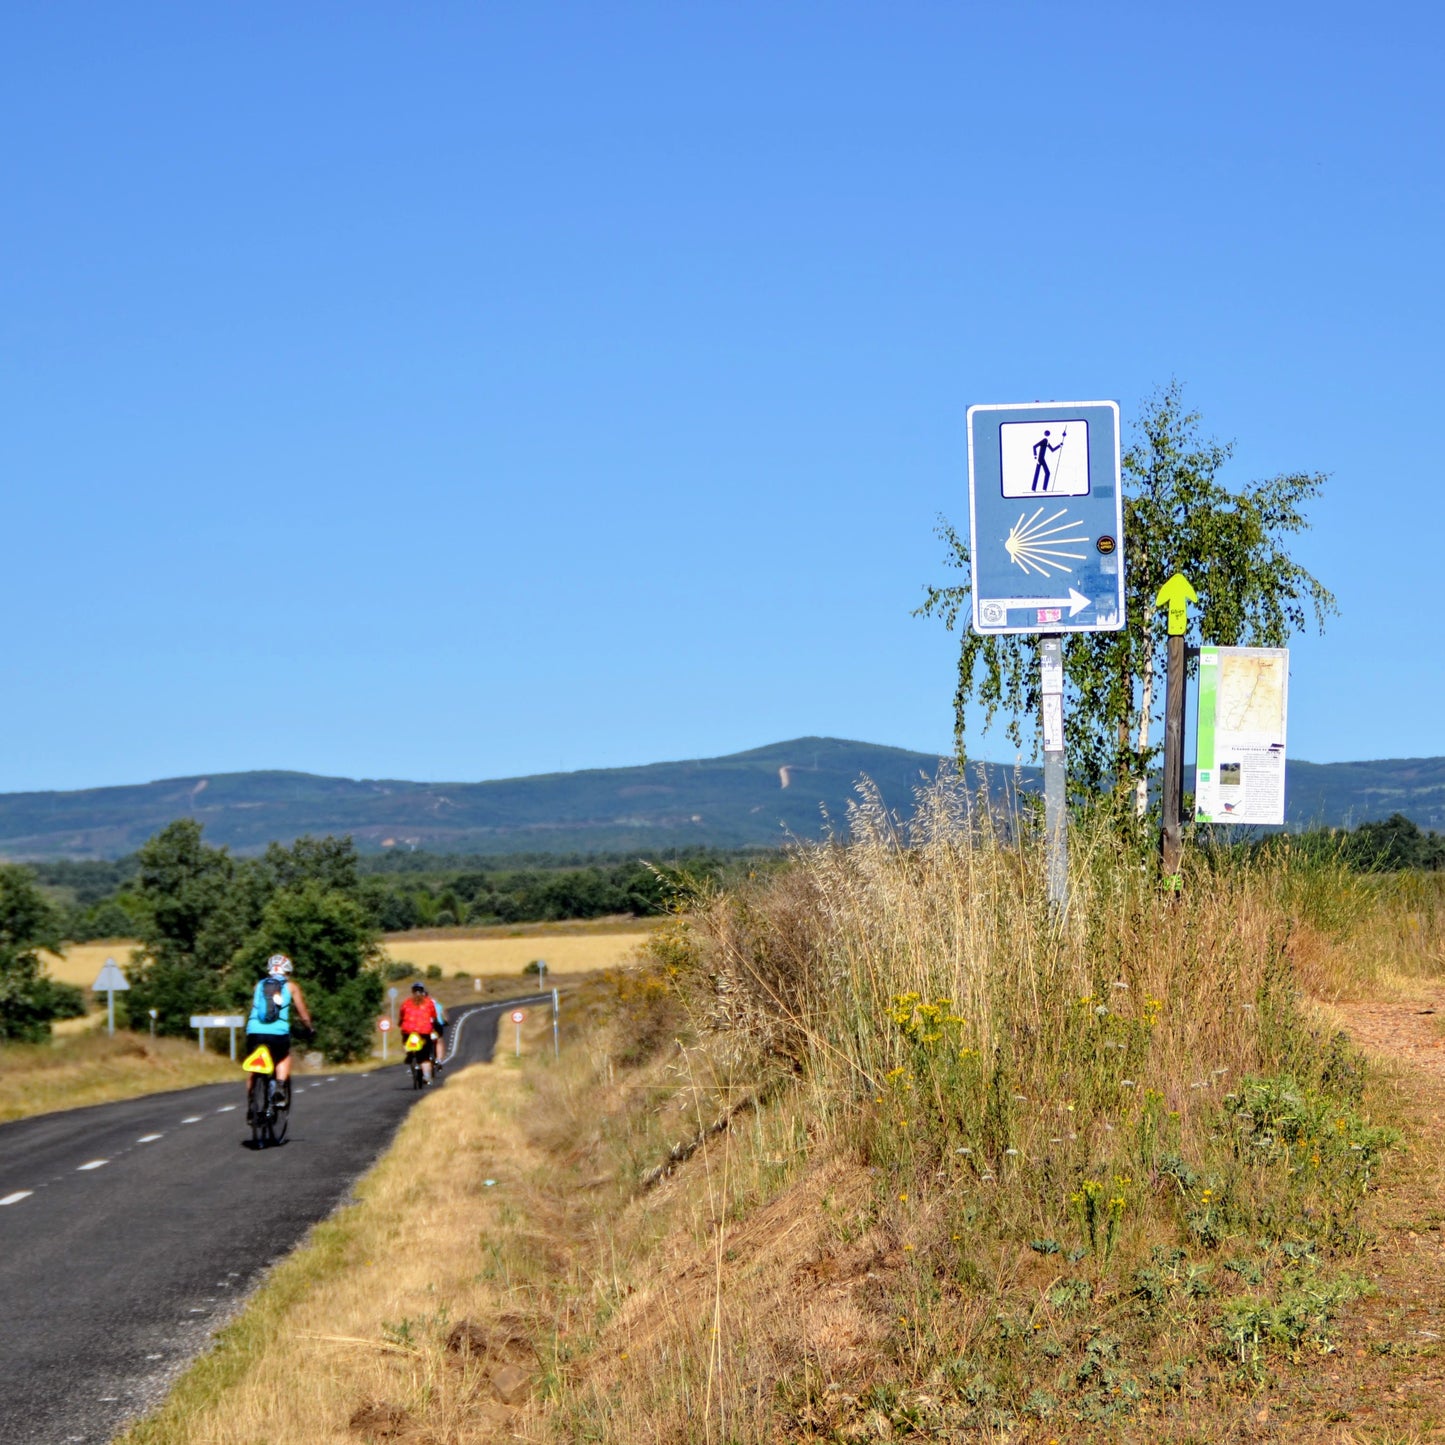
x: 259, y: 1061
x: 413, y: 1043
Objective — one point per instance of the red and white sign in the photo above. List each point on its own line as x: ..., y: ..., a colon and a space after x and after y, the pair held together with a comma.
x: 518, y: 1015
x: 383, y: 1024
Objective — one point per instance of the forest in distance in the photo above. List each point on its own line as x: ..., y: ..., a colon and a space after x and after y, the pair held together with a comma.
x: 405, y: 891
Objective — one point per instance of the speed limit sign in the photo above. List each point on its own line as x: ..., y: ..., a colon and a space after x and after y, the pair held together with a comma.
x: 518, y: 1015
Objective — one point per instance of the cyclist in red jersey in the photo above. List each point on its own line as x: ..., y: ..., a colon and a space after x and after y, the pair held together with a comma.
x: 420, y: 1016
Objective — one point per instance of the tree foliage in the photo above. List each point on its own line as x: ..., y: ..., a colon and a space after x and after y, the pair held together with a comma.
x: 209, y: 922
x: 28, y: 999
x: 1234, y: 546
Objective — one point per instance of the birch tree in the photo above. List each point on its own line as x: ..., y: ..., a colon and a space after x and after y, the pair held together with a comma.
x: 1179, y: 516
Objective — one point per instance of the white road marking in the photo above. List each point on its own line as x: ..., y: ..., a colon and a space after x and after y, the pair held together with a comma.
x: 94, y: 1164
x: 155, y: 1357
x: 194, y: 1119
x: 227, y: 1108
x: 149, y: 1138
x: 17, y: 1196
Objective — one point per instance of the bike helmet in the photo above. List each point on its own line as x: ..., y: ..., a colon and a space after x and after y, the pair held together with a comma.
x: 278, y: 965
x: 418, y: 987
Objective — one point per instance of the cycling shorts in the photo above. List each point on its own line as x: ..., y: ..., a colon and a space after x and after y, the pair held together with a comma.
x: 277, y: 1045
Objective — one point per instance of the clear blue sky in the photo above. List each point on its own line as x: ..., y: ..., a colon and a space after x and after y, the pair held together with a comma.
x: 467, y: 390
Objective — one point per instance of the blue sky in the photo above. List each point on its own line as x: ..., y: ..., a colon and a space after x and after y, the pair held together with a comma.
x: 462, y: 391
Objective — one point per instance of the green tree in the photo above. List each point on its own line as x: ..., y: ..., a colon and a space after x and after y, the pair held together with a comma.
x: 191, y: 923
x: 330, y: 937
x: 1179, y: 516
x: 28, y: 999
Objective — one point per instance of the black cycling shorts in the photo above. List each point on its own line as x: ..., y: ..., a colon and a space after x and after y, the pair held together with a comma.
x: 277, y: 1045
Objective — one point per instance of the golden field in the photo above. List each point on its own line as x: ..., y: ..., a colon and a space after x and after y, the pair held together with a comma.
x: 490, y: 952
x: 82, y: 962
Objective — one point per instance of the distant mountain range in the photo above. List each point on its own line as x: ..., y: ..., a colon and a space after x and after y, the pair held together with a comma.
x: 754, y: 798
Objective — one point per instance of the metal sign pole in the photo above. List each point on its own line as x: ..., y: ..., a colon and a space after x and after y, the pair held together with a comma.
x: 110, y: 1010
x: 556, y: 1045
x: 1056, y: 822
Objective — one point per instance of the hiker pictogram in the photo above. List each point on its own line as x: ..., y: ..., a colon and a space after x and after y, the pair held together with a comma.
x: 1041, y: 450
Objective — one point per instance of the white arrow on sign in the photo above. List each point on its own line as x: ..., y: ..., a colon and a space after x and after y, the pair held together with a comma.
x: 1075, y: 602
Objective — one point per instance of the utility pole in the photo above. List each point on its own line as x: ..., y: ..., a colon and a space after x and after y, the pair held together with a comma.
x: 1175, y: 594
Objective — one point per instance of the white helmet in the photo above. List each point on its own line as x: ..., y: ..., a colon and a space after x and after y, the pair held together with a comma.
x: 278, y: 965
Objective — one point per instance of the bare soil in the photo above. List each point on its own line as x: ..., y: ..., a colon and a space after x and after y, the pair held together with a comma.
x: 1386, y: 1380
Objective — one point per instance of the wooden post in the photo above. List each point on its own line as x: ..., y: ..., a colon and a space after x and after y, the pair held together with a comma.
x: 1175, y: 594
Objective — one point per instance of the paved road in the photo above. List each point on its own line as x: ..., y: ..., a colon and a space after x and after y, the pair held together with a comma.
x: 130, y: 1231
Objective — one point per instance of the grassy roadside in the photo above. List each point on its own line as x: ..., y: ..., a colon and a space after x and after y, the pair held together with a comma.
x: 93, y: 1067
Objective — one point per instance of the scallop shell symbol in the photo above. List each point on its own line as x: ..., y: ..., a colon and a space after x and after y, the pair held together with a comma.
x: 1038, y: 545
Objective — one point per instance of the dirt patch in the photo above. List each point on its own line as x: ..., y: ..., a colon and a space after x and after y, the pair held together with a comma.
x: 1386, y: 1380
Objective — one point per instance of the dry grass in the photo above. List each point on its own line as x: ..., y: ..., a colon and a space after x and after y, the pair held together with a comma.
x: 494, y: 952
x: 95, y: 1068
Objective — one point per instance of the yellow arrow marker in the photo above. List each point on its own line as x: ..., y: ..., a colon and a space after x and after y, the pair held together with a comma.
x: 259, y: 1061
x: 1175, y: 594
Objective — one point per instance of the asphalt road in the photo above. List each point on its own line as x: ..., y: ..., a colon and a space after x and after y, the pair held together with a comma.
x: 129, y: 1232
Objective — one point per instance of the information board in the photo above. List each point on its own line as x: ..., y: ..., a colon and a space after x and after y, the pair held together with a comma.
x: 1243, y: 709
x: 1046, y: 517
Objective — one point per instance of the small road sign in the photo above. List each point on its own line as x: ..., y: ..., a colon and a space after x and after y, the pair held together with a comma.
x: 1046, y: 517
x: 110, y: 981
x: 518, y: 1015
x: 383, y: 1024
x: 110, y: 977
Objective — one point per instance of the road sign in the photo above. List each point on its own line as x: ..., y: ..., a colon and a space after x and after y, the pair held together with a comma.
x: 110, y: 978
x: 518, y: 1015
x: 217, y: 1021
x: 383, y: 1024
x: 1046, y: 517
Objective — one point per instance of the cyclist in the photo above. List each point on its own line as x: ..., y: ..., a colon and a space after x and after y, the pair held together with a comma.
x: 441, y: 1034
x: 270, y: 1021
x: 421, y: 1016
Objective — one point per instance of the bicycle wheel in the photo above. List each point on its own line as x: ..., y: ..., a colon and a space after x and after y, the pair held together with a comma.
x: 256, y: 1111
x: 277, y: 1118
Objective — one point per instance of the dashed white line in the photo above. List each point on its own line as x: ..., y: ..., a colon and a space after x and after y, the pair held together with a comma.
x: 94, y: 1164
x: 17, y: 1196
x: 149, y: 1138
x: 225, y: 1108
x: 194, y: 1119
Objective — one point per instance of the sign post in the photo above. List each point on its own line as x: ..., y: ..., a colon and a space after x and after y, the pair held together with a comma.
x: 384, y: 1024
x: 517, y: 1016
x: 110, y: 981
x: 1046, y: 544
x: 1175, y: 594
x: 556, y: 1041
x: 202, y: 1022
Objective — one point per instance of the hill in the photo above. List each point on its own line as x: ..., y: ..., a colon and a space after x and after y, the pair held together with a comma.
x: 748, y: 799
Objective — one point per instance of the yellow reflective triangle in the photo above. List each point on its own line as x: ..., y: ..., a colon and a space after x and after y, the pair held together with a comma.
x: 413, y: 1043
x: 259, y: 1061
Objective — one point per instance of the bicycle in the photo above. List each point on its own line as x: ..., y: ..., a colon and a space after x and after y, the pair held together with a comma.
x: 267, y: 1101
x: 417, y: 1053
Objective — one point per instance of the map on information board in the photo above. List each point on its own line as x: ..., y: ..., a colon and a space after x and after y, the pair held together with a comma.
x: 1243, y: 709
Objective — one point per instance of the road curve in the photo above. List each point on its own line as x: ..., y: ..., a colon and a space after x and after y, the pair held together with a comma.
x: 129, y: 1232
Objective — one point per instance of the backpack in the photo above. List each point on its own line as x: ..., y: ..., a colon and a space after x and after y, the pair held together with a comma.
x: 269, y: 1009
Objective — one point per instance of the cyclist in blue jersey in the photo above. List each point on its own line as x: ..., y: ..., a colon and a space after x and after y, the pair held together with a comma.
x: 270, y: 1020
